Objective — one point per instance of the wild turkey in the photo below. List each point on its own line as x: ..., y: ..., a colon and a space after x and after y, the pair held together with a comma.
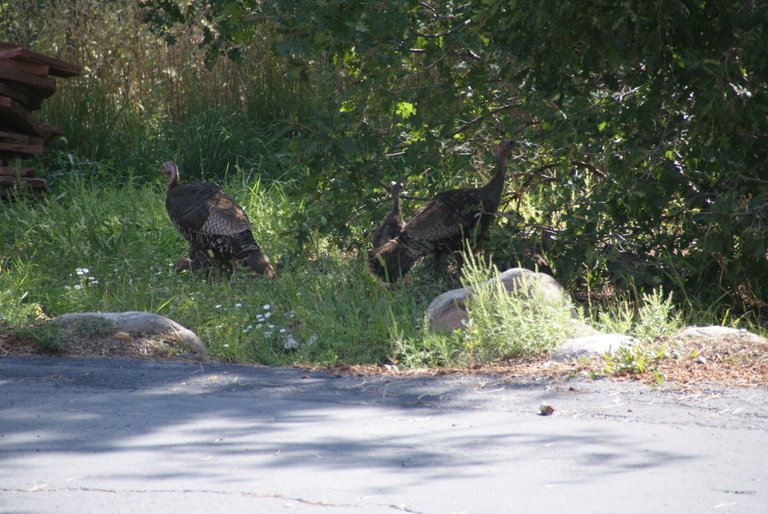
x: 393, y: 224
x: 444, y: 223
x: 217, y: 229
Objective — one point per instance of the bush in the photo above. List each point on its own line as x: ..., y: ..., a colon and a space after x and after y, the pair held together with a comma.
x: 500, y: 326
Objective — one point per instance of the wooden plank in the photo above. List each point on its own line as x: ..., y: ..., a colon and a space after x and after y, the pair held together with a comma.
x: 12, y: 92
x: 42, y: 86
x: 58, y: 67
x: 22, y: 94
x: 19, y: 148
x: 16, y: 172
x: 49, y: 132
x: 14, y: 137
x: 41, y: 70
x: 33, y: 182
x: 14, y: 116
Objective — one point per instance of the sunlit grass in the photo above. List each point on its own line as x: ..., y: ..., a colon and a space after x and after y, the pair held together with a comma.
x: 111, y: 248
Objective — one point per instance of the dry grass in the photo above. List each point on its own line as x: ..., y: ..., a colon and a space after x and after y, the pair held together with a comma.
x: 688, y: 362
x: 730, y: 361
x: 118, y: 345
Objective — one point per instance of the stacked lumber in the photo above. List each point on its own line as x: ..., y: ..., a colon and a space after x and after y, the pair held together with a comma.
x: 26, y: 79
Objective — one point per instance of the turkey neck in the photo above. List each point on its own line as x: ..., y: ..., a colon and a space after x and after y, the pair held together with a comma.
x: 396, y: 200
x: 496, y: 184
x: 173, y: 179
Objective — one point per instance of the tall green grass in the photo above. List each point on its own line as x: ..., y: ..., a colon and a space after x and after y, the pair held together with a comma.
x: 140, y: 101
x: 111, y: 248
x: 95, y: 246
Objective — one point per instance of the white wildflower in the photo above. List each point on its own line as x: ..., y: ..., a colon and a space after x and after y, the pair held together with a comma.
x: 290, y: 343
x: 267, y: 307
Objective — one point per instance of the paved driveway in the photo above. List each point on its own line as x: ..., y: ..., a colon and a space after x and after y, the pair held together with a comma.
x: 123, y: 436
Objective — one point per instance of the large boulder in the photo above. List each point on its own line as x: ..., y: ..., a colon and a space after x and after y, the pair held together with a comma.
x: 127, y: 333
x: 448, y: 311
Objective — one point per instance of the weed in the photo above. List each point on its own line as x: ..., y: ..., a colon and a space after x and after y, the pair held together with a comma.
x: 47, y: 338
x: 649, y: 322
x: 653, y: 316
x: 637, y: 359
x: 500, y: 325
x: 505, y: 324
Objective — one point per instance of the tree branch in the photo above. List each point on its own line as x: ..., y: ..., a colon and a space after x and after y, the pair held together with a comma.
x: 448, y: 32
x: 581, y: 164
x: 492, y: 112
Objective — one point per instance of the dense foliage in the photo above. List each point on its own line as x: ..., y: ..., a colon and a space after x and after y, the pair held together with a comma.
x: 646, y: 119
x: 645, y: 122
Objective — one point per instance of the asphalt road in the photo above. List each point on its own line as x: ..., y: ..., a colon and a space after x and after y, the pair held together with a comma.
x: 126, y: 436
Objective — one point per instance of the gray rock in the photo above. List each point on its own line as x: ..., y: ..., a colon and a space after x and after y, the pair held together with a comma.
x: 718, y: 332
x: 593, y: 345
x: 131, y: 325
x: 448, y: 311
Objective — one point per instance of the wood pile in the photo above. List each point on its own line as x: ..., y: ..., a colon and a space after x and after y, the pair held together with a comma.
x: 26, y: 79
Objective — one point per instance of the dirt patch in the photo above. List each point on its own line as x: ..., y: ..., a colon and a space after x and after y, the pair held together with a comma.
x: 729, y: 361
x: 120, y: 344
x: 687, y: 362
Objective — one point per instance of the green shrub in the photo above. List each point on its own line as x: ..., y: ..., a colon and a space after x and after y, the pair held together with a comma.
x: 501, y: 325
x: 653, y: 316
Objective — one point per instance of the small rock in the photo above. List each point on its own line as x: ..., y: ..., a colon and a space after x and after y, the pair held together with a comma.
x: 122, y: 336
x: 718, y: 332
x: 593, y: 345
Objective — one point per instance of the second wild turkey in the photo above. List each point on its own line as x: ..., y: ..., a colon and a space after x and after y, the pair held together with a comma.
x: 393, y: 224
x: 444, y: 223
x: 216, y: 227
